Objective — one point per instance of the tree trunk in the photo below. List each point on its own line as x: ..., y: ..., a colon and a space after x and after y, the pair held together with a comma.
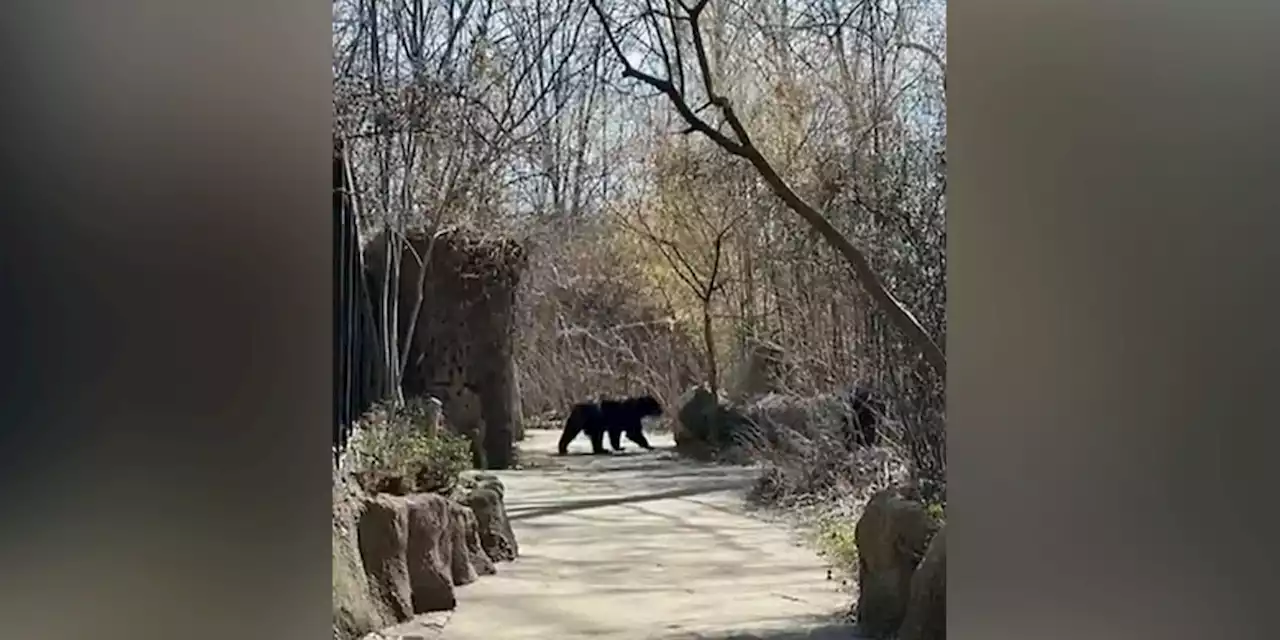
x: 708, y: 341
x: 744, y: 148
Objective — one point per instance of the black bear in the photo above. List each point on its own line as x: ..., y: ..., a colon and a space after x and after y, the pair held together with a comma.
x: 868, y: 410
x: 627, y: 417
x: 584, y: 417
x: 614, y: 417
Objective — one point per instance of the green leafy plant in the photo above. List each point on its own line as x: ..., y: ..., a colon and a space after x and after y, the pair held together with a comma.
x: 394, y: 451
x: 438, y: 462
x: 937, y: 512
x: 836, y: 542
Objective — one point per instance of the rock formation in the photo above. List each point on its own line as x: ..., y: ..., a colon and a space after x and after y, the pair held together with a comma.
x: 398, y: 556
x: 484, y: 493
x: 891, y: 537
x: 927, y: 608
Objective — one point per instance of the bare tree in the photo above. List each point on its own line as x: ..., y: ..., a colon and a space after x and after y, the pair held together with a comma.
x: 691, y: 233
x: 506, y: 115
x: 684, y: 69
x: 432, y: 99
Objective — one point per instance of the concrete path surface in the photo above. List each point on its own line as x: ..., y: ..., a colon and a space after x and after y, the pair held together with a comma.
x: 642, y: 546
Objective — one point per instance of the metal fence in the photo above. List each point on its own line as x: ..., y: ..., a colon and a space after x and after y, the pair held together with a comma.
x: 354, y: 336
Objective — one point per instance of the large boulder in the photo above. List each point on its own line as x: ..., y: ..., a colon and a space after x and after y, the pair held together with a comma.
x: 383, y: 535
x: 927, y: 608
x: 485, y: 493
x: 496, y: 535
x: 463, y: 346
x: 695, y: 416
x: 708, y: 428
x: 416, y: 549
x: 470, y: 544
x: 472, y: 479
x: 891, y: 537
x: 357, y: 610
x: 430, y: 560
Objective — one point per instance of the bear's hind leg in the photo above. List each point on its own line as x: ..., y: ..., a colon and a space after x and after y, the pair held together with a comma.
x: 636, y: 435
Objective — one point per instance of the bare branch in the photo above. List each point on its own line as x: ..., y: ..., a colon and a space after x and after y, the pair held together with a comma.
x: 744, y: 148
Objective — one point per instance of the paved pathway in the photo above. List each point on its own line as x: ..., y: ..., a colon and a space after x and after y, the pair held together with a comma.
x: 642, y: 546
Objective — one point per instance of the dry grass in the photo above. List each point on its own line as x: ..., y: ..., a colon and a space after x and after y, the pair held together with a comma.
x: 824, y: 493
x: 811, y: 476
x: 807, y: 458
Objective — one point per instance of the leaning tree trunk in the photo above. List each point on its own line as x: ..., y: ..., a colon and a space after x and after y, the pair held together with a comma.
x: 741, y: 145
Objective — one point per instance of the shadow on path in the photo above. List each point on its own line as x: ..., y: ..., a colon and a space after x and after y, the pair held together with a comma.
x: 824, y: 632
x: 642, y: 546
x: 518, y: 513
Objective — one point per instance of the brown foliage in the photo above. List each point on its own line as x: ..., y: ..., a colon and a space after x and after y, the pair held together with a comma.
x: 808, y: 144
x: 589, y: 327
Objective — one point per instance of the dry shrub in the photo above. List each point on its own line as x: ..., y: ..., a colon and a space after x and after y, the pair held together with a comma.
x: 802, y: 443
x: 813, y: 473
x: 590, y: 325
x: 392, y: 451
x: 807, y: 458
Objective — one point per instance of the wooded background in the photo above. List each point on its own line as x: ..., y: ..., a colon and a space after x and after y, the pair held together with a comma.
x: 689, y: 180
